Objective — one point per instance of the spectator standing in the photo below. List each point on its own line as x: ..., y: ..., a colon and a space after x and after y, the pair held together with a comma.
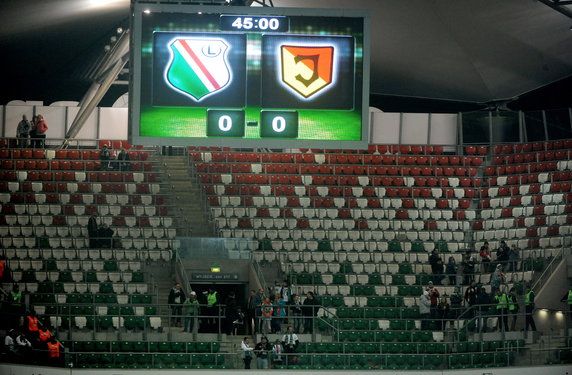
x: 246, y: 351
x: 250, y: 313
x: 54, y: 351
x: 105, y: 235
x: 212, y: 310
x: 176, y: 299
x: 190, y: 311
x: 231, y: 312
x: 310, y: 310
x: 468, y: 265
x: 486, y: 256
x: 436, y: 266
x: 497, y: 279
x: 279, y: 313
x: 513, y: 307
x: 4, y: 271
x: 267, y: 310
x: 513, y: 257
x: 23, y: 132
x: 41, y: 128
x: 434, y: 298
x: 471, y: 294
x: 443, y: 310
x: 262, y: 350
x: 32, y: 325
x: 93, y: 231
x: 257, y: 300
x: 277, y: 350
x: 452, y: 269
x: 503, y: 253
x: 15, y: 305
x: 290, y: 342
x: 483, y: 304
x: 286, y: 292
x: 529, y: 309
x: 425, y: 310
x: 501, y: 301
x: 296, y: 313
x: 456, y: 302
x: 567, y: 298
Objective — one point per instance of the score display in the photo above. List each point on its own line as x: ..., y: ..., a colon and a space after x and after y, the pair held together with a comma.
x: 249, y: 76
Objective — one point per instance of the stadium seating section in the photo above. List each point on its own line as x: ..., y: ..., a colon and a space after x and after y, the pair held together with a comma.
x: 354, y: 226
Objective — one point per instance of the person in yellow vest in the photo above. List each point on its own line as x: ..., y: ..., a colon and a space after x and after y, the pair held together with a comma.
x: 529, y: 308
x: 15, y: 305
x: 501, y: 300
x: 513, y: 307
x: 212, y: 310
x: 568, y: 300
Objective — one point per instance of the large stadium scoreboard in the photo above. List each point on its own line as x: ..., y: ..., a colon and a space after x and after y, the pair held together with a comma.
x: 248, y: 76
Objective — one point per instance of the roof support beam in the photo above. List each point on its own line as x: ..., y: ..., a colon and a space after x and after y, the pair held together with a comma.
x: 559, y: 6
x: 108, y: 72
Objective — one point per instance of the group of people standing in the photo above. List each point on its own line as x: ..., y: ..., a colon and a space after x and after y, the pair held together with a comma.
x: 34, y: 130
x: 275, y: 354
x: 34, y: 342
x: 454, y: 273
x: 267, y: 312
x: 504, y: 306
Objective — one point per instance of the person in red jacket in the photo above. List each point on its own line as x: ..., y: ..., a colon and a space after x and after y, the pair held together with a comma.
x: 40, y: 128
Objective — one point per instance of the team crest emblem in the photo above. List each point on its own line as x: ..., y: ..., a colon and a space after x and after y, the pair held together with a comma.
x: 307, y: 70
x: 198, y: 66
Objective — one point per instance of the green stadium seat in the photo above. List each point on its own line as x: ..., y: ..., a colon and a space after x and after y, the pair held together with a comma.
x: 374, y: 279
x: 394, y: 246
x: 137, y: 277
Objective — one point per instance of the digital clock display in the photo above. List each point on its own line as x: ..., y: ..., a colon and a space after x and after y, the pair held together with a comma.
x: 253, y: 23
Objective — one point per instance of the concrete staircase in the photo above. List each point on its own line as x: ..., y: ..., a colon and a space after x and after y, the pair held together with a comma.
x: 185, y: 197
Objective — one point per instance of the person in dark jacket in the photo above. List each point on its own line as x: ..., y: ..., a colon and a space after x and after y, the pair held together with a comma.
x: 483, y: 301
x: 176, y: 299
x: 436, y: 266
x: 231, y: 312
x: 310, y: 310
x: 93, y: 231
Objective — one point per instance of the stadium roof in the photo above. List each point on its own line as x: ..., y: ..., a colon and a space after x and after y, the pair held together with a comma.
x: 461, y: 51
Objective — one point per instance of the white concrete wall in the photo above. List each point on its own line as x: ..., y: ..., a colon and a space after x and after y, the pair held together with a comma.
x: 110, y: 123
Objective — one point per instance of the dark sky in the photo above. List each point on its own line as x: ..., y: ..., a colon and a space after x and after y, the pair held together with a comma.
x: 46, y: 53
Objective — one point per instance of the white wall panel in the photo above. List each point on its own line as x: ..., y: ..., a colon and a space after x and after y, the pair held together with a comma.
x: 56, y: 119
x: 88, y: 130
x: 443, y: 129
x: 385, y: 128
x: 113, y: 123
x: 415, y: 127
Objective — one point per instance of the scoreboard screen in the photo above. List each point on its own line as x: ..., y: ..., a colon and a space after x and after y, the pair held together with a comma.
x: 248, y: 76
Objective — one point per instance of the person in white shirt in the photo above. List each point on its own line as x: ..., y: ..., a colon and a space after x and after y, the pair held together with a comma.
x: 289, y: 341
x: 23, y: 346
x: 277, y: 350
x: 9, y: 341
x: 246, y: 352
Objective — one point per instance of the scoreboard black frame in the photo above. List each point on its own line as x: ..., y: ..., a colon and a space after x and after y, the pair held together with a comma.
x: 249, y: 77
